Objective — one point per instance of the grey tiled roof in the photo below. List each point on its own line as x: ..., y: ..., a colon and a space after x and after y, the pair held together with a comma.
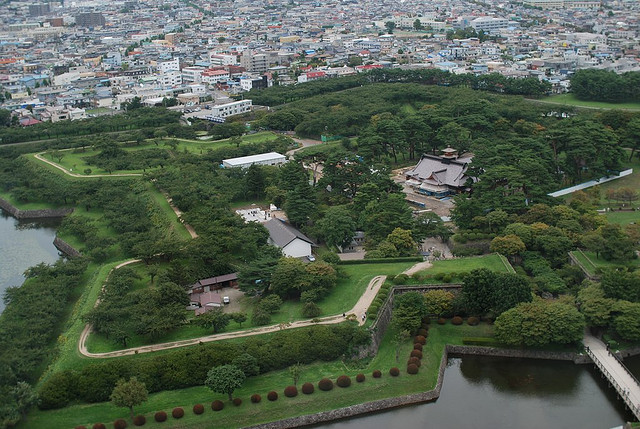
x: 282, y: 233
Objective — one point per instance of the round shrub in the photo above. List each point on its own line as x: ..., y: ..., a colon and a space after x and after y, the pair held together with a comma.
x: 442, y: 321
x: 80, y: 427
x: 423, y: 332
x: 198, y: 409
x: 420, y: 339
x: 416, y: 353
x: 456, y: 320
x: 325, y: 384
x: 447, y: 278
x: 160, y: 417
x: 412, y: 368
x: 237, y: 402
x: 177, y: 413
x: 400, y: 279
x: 307, y: 388
x: 417, y: 346
x: 139, y: 420
x: 473, y: 321
x: 272, y: 396
x: 99, y: 426
x: 360, y: 378
x: 217, y: 405
x: 120, y: 424
x: 343, y: 381
x: 255, y: 398
x: 377, y: 373
x: 394, y: 372
x: 291, y: 391
x: 414, y: 360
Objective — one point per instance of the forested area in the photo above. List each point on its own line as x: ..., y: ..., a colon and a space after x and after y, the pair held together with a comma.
x: 522, y: 151
x: 133, y: 119
x: 603, y: 85
x: 493, y: 82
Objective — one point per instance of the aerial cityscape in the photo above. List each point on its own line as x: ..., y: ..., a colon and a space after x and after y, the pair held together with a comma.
x: 365, y: 214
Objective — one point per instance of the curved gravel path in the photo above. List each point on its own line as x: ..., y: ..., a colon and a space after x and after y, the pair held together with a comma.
x: 358, y: 310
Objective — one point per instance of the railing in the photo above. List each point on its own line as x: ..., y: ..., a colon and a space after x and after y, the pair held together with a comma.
x: 621, y: 391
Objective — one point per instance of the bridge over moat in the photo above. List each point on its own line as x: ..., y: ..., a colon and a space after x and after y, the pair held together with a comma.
x: 618, y: 375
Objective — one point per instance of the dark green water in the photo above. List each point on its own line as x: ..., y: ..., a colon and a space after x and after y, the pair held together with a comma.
x: 482, y: 392
x: 22, y: 245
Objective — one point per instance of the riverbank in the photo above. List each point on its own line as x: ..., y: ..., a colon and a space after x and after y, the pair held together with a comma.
x: 47, y: 213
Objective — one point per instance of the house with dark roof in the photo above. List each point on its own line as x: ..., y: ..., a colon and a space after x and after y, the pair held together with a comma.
x: 292, y: 242
x: 440, y: 176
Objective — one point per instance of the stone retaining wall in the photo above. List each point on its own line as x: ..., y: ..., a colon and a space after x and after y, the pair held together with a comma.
x: 32, y: 214
x: 577, y: 358
x: 65, y: 248
x: 574, y: 261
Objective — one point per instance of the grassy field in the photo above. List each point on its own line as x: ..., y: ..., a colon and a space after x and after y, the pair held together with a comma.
x: 571, y: 100
x: 342, y: 298
x: 174, y: 223
x: 248, y: 413
x: 458, y: 266
x: 74, y: 160
x: 623, y: 218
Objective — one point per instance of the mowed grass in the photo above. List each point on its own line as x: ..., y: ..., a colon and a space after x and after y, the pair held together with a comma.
x: 623, y: 218
x: 26, y: 206
x: 571, y: 100
x: 459, y: 266
x: 249, y: 413
x: 74, y: 160
x: 343, y: 297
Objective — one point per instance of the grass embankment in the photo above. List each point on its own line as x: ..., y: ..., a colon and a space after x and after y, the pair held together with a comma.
x: 26, y: 206
x: 75, y: 160
x: 248, y: 413
x: 342, y: 298
x: 592, y: 263
x: 571, y: 100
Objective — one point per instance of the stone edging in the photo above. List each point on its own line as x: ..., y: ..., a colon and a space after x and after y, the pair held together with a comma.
x: 65, y: 247
x: 32, y: 214
x: 575, y: 261
x: 418, y: 398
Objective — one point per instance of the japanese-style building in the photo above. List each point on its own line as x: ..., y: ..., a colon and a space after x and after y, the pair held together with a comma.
x: 440, y: 176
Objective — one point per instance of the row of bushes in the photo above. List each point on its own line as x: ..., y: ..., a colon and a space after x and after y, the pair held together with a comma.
x: 378, y: 302
x: 471, y: 249
x: 183, y: 368
x: 382, y: 260
x: 324, y: 384
x: 545, y: 277
x: 457, y: 320
x: 463, y: 237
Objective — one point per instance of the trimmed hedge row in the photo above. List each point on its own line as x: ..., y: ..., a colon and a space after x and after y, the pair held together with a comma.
x: 382, y: 260
x: 182, y: 368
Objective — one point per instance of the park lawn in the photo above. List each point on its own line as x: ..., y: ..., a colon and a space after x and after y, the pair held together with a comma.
x: 458, y: 266
x: 593, y: 263
x: 248, y: 413
x: 623, y: 218
x: 343, y: 297
x: 346, y: 292
x: 630, y: 181
x: 571, y: 100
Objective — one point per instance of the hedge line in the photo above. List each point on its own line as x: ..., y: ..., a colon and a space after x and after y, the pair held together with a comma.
x: 382, y: 260
x: 188, y: 367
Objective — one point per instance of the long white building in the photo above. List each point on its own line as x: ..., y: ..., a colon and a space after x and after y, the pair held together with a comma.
x: 271, y: 158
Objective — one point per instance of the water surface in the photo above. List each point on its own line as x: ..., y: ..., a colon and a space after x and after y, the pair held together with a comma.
x: 489, y: 393
x: 24, y: 244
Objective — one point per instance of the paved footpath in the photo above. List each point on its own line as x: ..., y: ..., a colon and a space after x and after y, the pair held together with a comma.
x: 626, y: 382
x: 358, y: 310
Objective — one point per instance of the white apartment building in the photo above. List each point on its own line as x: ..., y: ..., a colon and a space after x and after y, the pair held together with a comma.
x: 489, y: 24
x: 166, y: 66
x: 214, y: 76
x: 222, y: 59
x: 192, y: 74
x: 229, y: 109
x: 170, y: 78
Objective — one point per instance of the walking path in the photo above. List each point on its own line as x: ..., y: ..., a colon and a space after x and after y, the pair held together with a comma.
x: 61, y: 168
x: 358, y: 310
x: 618, y: 375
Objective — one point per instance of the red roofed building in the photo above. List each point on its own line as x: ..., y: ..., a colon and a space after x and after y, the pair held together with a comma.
x: 308, y: 77
x: 368, y: 67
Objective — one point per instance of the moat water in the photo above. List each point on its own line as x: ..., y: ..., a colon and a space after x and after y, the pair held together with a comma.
x: 485, y: 392
x: 24, y: 244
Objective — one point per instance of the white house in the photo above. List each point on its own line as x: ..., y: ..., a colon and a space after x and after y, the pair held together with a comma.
x: 292, y: 242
